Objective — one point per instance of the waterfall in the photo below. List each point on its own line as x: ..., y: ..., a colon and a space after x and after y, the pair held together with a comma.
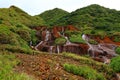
x: 67, y: 42
x: 38, y: 45
x: 47, y: 35
x: 63, y: 31
x: 58, y: 50
x: 84, y: 37
x: 51, y: 49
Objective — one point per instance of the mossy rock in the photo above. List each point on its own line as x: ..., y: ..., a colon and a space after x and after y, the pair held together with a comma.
x: 60, y: 41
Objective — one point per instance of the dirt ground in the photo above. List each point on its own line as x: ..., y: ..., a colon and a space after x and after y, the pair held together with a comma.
x: 45, y: 67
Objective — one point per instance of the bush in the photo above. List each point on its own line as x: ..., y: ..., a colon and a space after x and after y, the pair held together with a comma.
x: 93, y: 32
x: 0, y: 21
x: 60, y: 41
x: 115, y: 64
x: 117, y: 38
x: 117, y: 50
x: 84, y: 71
x: 91, y: 41
x: 76, y: 38
x: 24, y: 34
x: 15, y: 49
x: 33, y: 37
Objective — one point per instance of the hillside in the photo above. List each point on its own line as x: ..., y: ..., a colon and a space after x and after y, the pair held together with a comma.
x: 15, y: 29
x: 53, y: 15
x: 94, y: 16
x: 30, y: 50
x: 16, y: 16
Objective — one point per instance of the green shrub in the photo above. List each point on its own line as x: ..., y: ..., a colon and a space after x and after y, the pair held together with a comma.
x: 76, y: 38
x: 117, y: 38
x: 84, y: 71
x: 91, y: 41
x: 15, y: 49
x: 33, y: 37
x: 4, y: 38
x: 24, y: 34
x: 60, y: 41
x: 117, y: 50
x: 93, y: 32
x: 115, y: 64
x: 0, y: 21
x: 8, y: 38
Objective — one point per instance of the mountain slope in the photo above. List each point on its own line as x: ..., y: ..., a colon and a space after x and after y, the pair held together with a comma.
x: 14, y: 16
x: 15, y: 29
x: 51, y: 16
x: 94, y: 16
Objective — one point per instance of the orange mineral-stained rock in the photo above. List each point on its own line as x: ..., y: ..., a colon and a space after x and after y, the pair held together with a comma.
x: 56, y: 32
x: 71, y: 28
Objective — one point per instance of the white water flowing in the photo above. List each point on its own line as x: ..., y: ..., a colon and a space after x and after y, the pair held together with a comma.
x: 51, y: 49
x: 109, y: 48
x: 67, y: 42
x: 58, y: 50
x: 38, y: 45
x: 110, y: 51
x: 47, y: 35
x: 93, y: 48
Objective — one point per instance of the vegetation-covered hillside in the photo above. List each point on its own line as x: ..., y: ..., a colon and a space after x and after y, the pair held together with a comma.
x: 15, y: 29
x: 94, y: 16
x: 16, y: 16
x: 17, y: 34
x: 52, y: 16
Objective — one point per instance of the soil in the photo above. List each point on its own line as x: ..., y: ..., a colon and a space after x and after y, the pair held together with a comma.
x: 45, y: 67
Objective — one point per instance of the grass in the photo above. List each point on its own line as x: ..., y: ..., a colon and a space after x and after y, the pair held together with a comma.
x: 100, y: 67
x: 85, y: 71
x: 60, y: 41
x: 76, y: 38
x: 7, y: 63
x: 117, y: 50
x: 115, y: 64
x: 17, y: 49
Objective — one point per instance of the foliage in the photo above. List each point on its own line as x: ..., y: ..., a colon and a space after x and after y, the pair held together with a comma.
x: 60, y: 41
x: 14, y: 15
x: 94, y: 16
x: 100, y: 67
x: 84, y: 71
x: 24, y: 34
x: 7, y: 62
x: 115, y: 64
x: 117, y: 38
x: 117, y: 50
x: 91, y: 41
x: 14, y: 49
x: 7, y: 37
x: 33, y: 37
x: 76, y: 38
x: 53, y: 15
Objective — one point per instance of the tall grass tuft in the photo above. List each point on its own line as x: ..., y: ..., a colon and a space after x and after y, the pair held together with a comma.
x: 84, y: 71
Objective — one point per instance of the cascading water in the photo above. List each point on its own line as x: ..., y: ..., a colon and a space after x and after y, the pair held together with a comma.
x: 58, y: 50
x: 84, y: 37
x: 101, y: 48
x: 47, y: 35
x: 38, y: 45
x: 67, y: 42
x: 93, y: 48
x: 51, y: 49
